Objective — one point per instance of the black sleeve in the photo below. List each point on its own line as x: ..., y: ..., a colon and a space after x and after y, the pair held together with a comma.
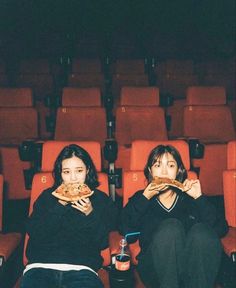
x: 46, y: 217
x: 102, y: 220
x: 208, y: 214
x: 132, y: 213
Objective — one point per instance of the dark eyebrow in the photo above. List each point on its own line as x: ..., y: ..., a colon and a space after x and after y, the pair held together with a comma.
x: 75, y: 168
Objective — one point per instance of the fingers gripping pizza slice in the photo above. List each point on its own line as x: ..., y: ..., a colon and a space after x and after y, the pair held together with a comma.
x: 72, y: 192
x: 168, y: 182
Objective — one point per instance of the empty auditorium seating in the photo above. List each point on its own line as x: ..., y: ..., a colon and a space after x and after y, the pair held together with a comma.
x: 211, y: 167
x: 35, y: 73
x: 208, y: 118
x: 174, y: 76
x: 86, y: 73
x: 19, y: 121
x: 206, y: 115
x: 137, y: 122
x: 127, y: 73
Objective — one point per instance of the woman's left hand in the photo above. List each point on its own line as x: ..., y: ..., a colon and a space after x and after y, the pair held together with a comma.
x: 84, y: 205
x: 192, y: 188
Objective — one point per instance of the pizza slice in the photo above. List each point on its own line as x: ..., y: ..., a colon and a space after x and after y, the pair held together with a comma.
x: 168, y: 182
x: 72, y: 192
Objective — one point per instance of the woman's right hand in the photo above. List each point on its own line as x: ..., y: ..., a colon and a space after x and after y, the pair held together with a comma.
x: 153, y: 189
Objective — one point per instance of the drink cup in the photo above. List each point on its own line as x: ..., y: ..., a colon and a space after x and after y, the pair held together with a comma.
x: 122, y: 262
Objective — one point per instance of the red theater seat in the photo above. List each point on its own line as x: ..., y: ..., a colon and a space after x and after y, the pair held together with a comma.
x: 208, y: 118
x: 9, y: 242
x: 139, y: 96
x: 19, y: 121
x: 136, y: 122
x: 81, y: 123
x: 81, y: 97
x: 229, y: 181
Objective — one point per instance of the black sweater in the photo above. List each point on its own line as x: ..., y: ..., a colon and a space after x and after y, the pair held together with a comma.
x: 143, y: 215
x: 62, y: 234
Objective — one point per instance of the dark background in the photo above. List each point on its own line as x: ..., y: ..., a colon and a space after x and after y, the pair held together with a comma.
x: 164, y: 28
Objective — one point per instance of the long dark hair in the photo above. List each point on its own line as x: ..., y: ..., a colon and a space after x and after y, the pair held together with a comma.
x: 156, y: 153
x: 68, y: 152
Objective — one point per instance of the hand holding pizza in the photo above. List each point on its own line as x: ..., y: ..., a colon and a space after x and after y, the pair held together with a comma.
x: 84, y: 205
x: 153, y: 189
x: 192, y: 188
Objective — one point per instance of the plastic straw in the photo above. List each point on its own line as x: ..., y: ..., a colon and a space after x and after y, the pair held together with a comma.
x: 131, y: 234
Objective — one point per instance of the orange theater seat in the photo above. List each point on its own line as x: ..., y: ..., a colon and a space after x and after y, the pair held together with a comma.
x: 231, y: 155
x: 208, y: 118
x: 135, y: 122
x: 139, y: 96
x: 206, y: 115
x: 229, y: 181
x: 82, y: 97
x: 81, y: 123
x: 19, y: 121
x: 9, y: 242
x: 122, y: 80
x: 211, y: 167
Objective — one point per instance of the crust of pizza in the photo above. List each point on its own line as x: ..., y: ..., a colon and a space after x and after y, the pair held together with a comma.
x: 72, y: 192
x: 168, y: 182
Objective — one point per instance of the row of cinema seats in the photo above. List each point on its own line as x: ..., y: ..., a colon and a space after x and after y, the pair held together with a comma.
x: 172, y: 76
x: 132, y: 180
x: 205, y: 117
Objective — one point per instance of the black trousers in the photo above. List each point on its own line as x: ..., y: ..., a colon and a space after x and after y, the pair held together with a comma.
x: 176, y: 259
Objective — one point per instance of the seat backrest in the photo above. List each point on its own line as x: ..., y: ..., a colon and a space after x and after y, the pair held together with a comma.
x: 86, y: 80
x: 1, y: 201
x: 81, y: 123
x: 231, y: 155
x: 139, y: 96
x: 134, y: 179
x: 206, y: 95
x: 128, y: 66
x: 42, y: 181
x: 229, y: 183
x: 206, y: 115
x: 134, y: 123
x: 86, y: 66
x: 16, y: 97
x: 211, y: 167
x: 82, y: 97
x: 18, y: 124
